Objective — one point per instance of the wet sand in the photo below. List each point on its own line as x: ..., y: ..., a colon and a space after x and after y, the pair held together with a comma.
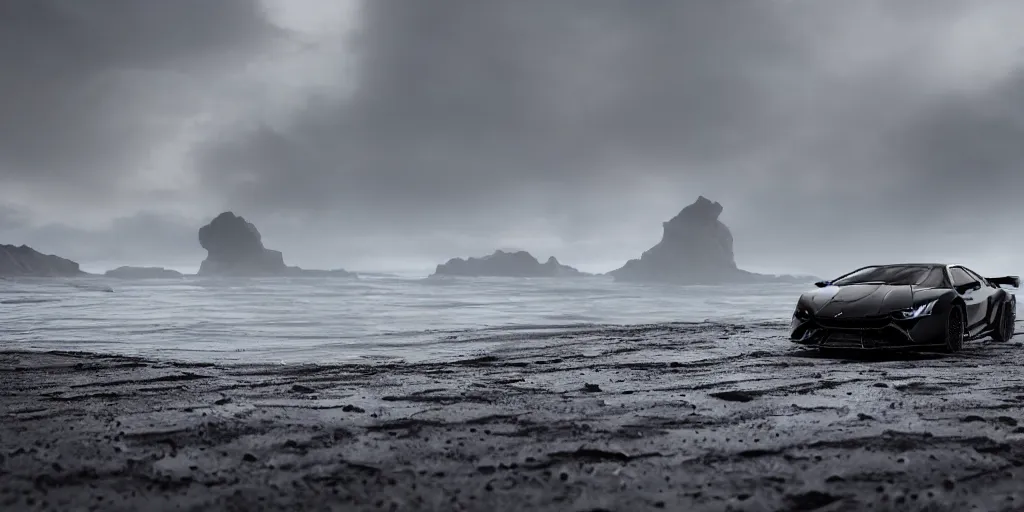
x: 676, y: 417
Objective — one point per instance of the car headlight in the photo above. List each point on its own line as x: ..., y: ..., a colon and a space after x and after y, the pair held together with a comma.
x: 802, y: 313
x: 918, y: 311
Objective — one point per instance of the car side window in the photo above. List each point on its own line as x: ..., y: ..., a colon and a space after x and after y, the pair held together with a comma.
x: 961, y: 277
x: 976, y: 277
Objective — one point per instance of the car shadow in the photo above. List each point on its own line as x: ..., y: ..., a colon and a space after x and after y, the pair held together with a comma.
x: 877, y: 356
x: 973, y: 350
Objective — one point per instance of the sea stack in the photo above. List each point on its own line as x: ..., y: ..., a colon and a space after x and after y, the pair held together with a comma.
x: 235, y: 248
x: 25, y: 261
x: 506, y: 264
x: 695, y: 248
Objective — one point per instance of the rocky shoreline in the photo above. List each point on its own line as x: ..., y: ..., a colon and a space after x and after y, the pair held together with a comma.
x: 677, y: 417
x: 695, y: 248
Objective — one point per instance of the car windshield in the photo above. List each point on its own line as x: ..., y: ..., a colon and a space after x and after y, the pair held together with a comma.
x: 916, y: 275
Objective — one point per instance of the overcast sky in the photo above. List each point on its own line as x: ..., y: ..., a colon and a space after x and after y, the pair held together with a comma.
x: 399, y: 133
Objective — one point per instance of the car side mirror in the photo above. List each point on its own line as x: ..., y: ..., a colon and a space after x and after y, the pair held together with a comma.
x: 822, y: 284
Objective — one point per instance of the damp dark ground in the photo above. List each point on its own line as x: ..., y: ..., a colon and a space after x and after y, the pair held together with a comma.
x: 677, y: 417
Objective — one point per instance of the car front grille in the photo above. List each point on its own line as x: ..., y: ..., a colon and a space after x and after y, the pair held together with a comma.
x: 849, y: 339
x: 873, y: 322
x: 864, y: 338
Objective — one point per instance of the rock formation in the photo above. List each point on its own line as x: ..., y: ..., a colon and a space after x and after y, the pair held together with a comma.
x: 25, y: 261
x: 506, y: 264
x: 695, y: 248
x: 143, y: 273
x: 235, y: 248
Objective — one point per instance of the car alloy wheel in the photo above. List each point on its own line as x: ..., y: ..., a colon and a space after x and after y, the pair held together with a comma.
x: 955, y: 330
x: 1009, y: 318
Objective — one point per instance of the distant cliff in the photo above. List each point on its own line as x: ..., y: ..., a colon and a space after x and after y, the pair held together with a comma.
x: 25, y: 261
x: 235, y: 248
x: 506, y: 264
x: 695, y: 248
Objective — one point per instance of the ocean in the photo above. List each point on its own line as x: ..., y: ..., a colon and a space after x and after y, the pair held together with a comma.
x: 309, y: 320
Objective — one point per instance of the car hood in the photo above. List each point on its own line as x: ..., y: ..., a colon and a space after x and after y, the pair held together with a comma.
x: 858, y: 300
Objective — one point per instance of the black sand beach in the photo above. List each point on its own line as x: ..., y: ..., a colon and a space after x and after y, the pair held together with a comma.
x: 675, y: 417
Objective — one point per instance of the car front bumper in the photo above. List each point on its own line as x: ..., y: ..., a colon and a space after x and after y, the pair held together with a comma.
x: 871, y: 333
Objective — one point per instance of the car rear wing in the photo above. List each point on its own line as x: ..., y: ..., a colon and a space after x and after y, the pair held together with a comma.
x: 1013, y: 281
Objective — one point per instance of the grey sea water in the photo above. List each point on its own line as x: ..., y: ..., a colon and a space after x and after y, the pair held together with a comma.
x: 332, y: 320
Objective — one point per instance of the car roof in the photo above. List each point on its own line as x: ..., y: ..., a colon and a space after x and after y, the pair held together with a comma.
x: 910, y: 265
x: 918, y: 265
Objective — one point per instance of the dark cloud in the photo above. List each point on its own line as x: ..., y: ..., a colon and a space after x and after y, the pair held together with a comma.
x: 838, y: 131
x: 460, y: 103
x: 89, y: 89
x: 807, y: 117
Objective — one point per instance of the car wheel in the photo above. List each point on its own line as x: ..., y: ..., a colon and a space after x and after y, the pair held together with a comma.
x: 955, y: 330
x: 1007, y: 319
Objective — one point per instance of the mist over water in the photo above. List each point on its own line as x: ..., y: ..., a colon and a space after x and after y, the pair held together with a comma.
x: 308, y: 320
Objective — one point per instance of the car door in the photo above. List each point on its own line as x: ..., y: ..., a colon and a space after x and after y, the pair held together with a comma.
x: 974, y: 297
x: 991, y: 295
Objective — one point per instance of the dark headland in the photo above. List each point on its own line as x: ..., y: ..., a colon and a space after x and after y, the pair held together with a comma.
x: 695, y: 248
x: 235, y: 248
x: 506, y: 264
x: 25, y: 261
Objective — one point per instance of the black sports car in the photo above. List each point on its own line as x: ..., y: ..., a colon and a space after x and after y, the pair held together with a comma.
x: 905, y: 306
